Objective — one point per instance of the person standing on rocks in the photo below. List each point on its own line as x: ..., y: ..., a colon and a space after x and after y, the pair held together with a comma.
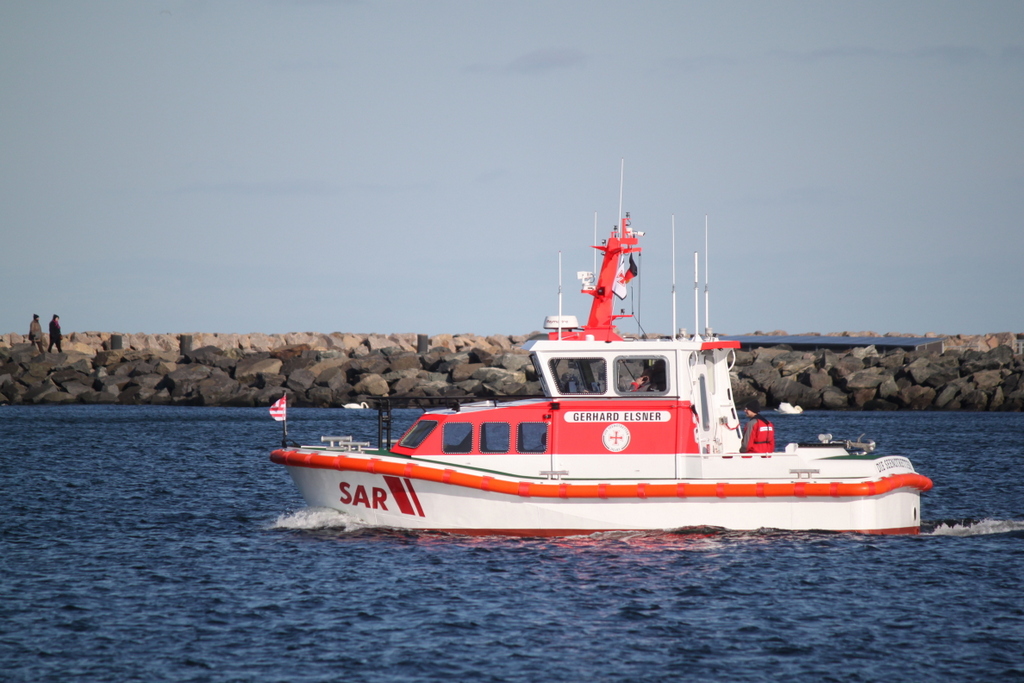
x: 55, y: 335
x: 759, y: 434
x: 35, y: 333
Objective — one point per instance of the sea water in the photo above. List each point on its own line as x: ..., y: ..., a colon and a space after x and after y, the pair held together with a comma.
x: 161, y: 544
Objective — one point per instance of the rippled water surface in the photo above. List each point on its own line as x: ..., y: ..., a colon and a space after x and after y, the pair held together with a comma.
x: 160, y: 543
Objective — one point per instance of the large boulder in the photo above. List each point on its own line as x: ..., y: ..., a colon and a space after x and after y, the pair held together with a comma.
x: 915, y: 397
x: 248, y: 369
x: 744, y: 391
x: 762, y: 374
x: 793, y: 362
x: 217, y: 390
x: 868, y: 378
x: 300, y: 380
x: 405, y: 386
x: 372, y: 384
x: 375, y: 364
x: 405, y: 361
x: 37, y: 392
x: 786, y: 390
x: 497, y: 376
x: 893, y: 359
x: 947, y: 396
x: 973, y: 399
x: 987, y: 380
x: 816, y: 379
x: 767, y: 354
x: 833, y: 398
x: 188, y: 373
x: 888, y: 388
x: 515, y: 362
x: 460, y: 373
x: 997, y: 358
x: 858, y: 398
x: 57, y: 397
x: 845, y: 365
x: 376, y: 342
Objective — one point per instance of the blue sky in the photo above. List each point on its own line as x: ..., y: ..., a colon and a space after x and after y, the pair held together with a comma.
x: 275, y: 166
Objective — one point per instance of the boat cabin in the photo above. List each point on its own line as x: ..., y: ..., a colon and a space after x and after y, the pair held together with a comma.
x: 606, y: 396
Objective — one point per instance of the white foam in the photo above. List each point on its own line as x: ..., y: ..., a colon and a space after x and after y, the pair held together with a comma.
x: 985, y: 526
x: 314, y: 518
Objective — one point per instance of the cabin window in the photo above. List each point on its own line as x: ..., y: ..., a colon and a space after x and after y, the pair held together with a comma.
x: 532, y: 437
x: 538, y: 367
x: 415, y: 436
x: 495, y: 437
x: 579, y: 375
x: 640, y: 374
x: 458, y: 437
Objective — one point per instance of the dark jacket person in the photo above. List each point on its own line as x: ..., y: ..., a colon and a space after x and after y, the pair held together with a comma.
x: 55, y: 335
x: 759, y: 434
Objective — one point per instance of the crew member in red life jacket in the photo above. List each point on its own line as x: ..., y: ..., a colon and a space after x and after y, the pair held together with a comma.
x: 759, y: 434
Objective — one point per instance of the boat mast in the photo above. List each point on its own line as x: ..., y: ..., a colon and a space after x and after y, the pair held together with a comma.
x: 674, y: 329
x: 622, y: 175
x: 559, y: 293
x: 696, y: 297
x: 707, y: 325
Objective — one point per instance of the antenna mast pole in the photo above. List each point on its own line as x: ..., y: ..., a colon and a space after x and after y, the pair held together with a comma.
x: 707, y: 326
x: 622, y: 175
x: 696, y: 297
x: 559, y: 294
x: 595, y: 242
x: 675, y: 330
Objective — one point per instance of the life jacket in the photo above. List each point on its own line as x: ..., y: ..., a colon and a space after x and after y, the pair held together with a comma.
x: 762, y: 438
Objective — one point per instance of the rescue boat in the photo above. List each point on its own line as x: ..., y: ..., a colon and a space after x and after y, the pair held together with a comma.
x: 630, y: 434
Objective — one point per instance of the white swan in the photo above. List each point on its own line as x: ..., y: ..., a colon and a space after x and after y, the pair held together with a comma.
x: 789, y: 409
x: 356, y: 406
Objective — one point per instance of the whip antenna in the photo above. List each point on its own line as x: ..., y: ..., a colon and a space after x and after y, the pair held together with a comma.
x: 696, y: 297
x: 674, y: 328
x: 559, y: 294
x: 707, y: 325
x: 622, y: 175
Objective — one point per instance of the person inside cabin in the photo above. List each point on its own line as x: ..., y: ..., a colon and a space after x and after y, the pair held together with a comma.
x: 759, y: 434
x: 643, y: 382
x: 651, y: 379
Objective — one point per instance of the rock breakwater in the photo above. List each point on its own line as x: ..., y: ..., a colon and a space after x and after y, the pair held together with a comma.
x: 896, y: 379
x: 333, y: 370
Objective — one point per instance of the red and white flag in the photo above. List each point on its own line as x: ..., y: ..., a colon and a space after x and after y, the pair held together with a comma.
x: 627, y: 271
x: 279, y: 411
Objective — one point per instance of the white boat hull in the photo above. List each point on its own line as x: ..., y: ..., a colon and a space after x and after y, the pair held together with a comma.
x: 393, y: 500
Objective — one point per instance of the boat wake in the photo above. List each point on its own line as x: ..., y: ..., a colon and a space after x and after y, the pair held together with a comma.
x: 316, y: 518
x: 977, y: 527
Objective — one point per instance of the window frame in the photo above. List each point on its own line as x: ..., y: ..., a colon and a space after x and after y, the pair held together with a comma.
x: 508, y: 435
x: 619, y: 362
x: 406, y: 440
x: 575, y: 363
x: 444, y: 437
x: 519, y: 437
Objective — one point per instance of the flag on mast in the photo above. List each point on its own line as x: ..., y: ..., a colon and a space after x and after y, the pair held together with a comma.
x: 279, y: 410
x: 632, y: 271
x: 627, y: 271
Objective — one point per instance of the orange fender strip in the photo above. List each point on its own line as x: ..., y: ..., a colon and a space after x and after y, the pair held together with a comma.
x: 723, y: 490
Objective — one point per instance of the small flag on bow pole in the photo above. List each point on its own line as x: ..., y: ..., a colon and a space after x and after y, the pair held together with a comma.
x: 279, y: 411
